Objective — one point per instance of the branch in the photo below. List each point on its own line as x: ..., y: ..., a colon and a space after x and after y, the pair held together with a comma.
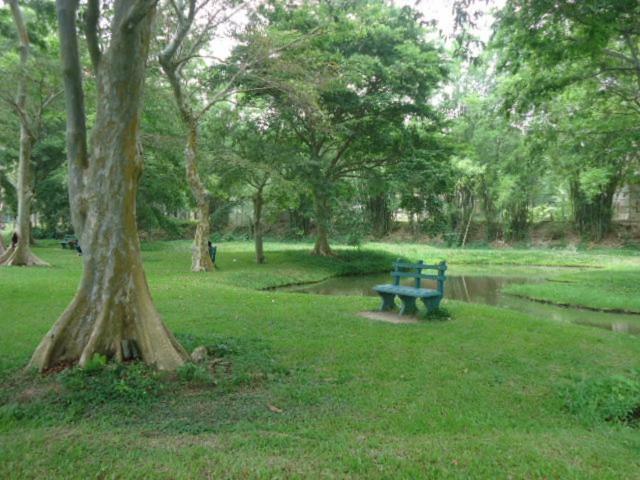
x: 138, y: 10
x: 92, y: 16
x: 341, y: 152
x: 72, y: 78
x: 20, y: 112
x: 167, y: 55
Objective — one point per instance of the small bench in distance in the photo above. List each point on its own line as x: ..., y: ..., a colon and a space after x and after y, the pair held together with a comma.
x: 69, y: 241
x: 408, y: 295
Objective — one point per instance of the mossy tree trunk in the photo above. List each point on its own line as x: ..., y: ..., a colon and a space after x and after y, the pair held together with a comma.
x: 183, y: 15
x: 21, y: 254
x: 200, y: 259
x: 112, y: 313
x: 258, y: 203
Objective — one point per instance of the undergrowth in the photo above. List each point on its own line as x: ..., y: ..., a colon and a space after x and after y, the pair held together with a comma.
x: 136, y: 392
x: 614, y: 399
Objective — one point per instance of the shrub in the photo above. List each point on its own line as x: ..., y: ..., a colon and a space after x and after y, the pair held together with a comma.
x: 611, y: 399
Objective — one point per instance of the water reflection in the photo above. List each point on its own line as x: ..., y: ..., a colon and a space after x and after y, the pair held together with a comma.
x: 484, y: 289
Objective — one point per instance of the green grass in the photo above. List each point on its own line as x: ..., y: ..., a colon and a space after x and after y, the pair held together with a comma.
x: 482, y: 395
x: 609, y: 290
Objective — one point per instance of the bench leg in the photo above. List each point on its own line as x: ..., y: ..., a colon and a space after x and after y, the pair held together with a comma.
x: 388, y: 301
x: 432, y: 303
x: 408, y: 305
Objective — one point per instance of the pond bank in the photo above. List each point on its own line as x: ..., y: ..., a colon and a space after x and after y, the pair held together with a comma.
x: 490, y: 289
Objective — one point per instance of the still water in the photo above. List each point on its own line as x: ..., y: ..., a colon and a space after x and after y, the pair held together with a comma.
x: 485, y: 289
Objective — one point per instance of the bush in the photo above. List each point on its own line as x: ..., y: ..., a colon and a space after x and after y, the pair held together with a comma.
x: 611, y: 399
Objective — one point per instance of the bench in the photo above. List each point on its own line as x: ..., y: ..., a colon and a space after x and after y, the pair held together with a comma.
x: 69, y: 241
x: 408, y: 295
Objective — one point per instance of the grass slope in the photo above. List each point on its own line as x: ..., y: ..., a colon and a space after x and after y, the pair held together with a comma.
x: 610, y: 290
x: 479, y: 396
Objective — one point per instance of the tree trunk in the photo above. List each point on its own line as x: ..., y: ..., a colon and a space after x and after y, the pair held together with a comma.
x: 112, y: 313
x: 257, y: 225
x: 593, y: 216
x: 21, y: 254
x: 322, y: 206
x: 379, y: 214
x: 200, y: 259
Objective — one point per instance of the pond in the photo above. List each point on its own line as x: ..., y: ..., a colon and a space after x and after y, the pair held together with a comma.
x: 486, y: 289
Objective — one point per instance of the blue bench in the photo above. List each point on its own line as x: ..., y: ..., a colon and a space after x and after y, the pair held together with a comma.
x: 408, y: 295
x: 69, y: 241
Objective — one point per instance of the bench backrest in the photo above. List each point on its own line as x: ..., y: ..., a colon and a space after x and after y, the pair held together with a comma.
x: 414, y: 270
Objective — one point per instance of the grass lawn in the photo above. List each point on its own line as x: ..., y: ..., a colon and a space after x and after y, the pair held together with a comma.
x: 305, y: 388
x: 611, y: 289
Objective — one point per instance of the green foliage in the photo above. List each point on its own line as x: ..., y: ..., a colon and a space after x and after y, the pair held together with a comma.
x: 192, y: 373
x: 354, y: 99
x: 610, y: 399
x: 101, y: 383
x: 440, y: 314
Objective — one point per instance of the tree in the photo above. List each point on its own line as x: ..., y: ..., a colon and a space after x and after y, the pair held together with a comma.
x: 593, y: 141
x: 253, y: 151
x: 352, y: 93
x: 554, y: 48
x: 181, y: 54
x: 30, y: 117
x: 112, y: 313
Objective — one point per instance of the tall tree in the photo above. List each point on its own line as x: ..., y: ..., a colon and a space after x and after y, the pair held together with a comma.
x: 353, y: 94
x: 553, y: 48
x: 253, y: 151
x: 30, y: 117
x: 182, y: 65
x: 112, y: 313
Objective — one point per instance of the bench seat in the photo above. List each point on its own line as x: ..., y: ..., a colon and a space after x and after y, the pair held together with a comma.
x: 408, y: 295
x: 407, y: 291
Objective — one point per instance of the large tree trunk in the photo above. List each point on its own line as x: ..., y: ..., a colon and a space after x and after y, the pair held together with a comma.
x: 112, y: 313
x: 21, y: 254
x: 257, y: 226
x: 200, y: 259
x: 322, y: 205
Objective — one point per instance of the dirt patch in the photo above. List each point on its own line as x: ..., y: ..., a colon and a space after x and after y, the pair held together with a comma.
x: 390, y: 317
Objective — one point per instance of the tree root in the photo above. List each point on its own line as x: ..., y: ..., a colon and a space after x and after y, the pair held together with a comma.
x: 117, y: 332
x: 24, y: 257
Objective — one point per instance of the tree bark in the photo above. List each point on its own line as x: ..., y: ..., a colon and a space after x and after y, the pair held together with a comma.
x: 21, y: 254
x: 322, y: 205
x: 171, y: 64
x: 200, y: 259
x: 112, y: 313
x: 258, y: 202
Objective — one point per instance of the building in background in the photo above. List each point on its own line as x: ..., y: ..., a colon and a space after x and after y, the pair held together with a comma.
x: 626, y: 205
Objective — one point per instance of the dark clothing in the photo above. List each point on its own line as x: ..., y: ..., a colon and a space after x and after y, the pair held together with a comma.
x: 14, y: 239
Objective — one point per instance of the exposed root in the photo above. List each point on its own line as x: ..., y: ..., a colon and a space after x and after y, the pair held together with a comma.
x: 119, y: 331
x: 323, y: 252
x: 21, y: 257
